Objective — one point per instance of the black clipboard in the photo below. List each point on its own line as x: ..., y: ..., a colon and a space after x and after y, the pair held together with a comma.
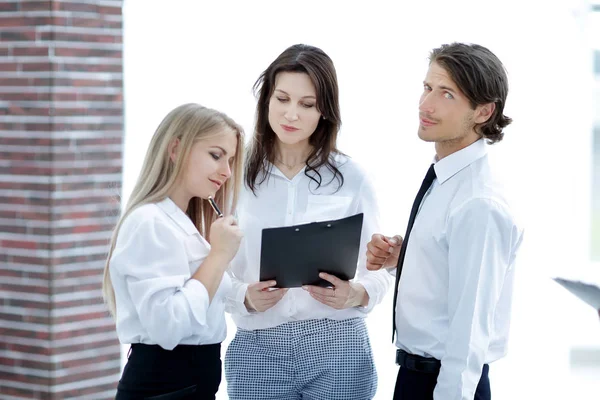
x: 294, y: 255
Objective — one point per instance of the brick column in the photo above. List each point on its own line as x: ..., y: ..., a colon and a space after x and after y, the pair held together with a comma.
x: 61, y: 134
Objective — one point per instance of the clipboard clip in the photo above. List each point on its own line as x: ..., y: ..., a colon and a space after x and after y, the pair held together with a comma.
x: 327, y: 226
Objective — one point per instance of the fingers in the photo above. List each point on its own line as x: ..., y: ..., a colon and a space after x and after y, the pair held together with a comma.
x: 337, y: 299
x: 395, y: 253
x: 393, y: 241
x: 380, y: 245
x: 337, y: 283
x: 378, y: 240
x: 265, y: 294
x: 376, y: 258
x: 379, y: 250
x: 321, y: 291
x: 262, y: 285
x: 228, y: 220
x: 379, y: 253
x: 327, y: 300
x: 268, y: 299
x: 334, y: 280
x: 261, y: 295
x: 395, y: 244
x: 268, y: 295
x: 375, y: 263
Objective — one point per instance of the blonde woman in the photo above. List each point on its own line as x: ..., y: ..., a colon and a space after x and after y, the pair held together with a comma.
x: 164, y: 279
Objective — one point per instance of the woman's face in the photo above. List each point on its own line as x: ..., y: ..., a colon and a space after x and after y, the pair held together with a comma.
x: 293, y: 113
x: 209, y: 164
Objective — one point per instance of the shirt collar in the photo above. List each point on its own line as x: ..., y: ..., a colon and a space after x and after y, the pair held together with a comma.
x: 450, y: 165
x: 273, y: 170
x: 179, y: 217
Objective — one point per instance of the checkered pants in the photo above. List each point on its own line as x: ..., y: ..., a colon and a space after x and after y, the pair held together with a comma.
x: 314, y: 359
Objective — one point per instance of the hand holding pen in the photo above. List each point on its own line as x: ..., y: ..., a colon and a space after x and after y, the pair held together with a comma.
x: 225, y: 235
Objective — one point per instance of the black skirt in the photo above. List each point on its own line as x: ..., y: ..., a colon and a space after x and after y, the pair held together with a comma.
x: 186, y: 372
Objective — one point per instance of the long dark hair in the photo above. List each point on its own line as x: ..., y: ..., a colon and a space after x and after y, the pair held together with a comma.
x: 319, y: 67
x: 480, y: 75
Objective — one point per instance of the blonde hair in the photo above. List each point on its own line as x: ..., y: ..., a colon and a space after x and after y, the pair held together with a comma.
x: 188, y: 123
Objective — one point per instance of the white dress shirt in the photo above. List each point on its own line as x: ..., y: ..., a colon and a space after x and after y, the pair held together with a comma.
x: 157, y: 251
x: 280, y: 201
x: 454, y: 296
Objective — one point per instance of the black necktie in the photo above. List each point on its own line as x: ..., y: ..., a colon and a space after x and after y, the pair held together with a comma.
x: 427, y: 181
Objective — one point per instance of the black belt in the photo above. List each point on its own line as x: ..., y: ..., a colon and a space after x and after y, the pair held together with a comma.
x: 417, y: 363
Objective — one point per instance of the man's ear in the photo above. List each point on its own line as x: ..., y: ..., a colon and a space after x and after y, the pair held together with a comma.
x: 484, y: 112
x: 174, y: 149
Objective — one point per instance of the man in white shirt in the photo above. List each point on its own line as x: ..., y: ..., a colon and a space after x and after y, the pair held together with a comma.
x: 454, y: 271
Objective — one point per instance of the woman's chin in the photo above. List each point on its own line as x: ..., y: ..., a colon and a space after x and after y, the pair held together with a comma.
x: 205, y: 194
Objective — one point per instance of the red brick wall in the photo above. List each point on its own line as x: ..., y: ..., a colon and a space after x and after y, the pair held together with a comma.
x: 61, y: 143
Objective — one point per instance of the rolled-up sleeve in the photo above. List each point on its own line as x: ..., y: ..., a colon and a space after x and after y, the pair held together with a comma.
x: 153, y: 262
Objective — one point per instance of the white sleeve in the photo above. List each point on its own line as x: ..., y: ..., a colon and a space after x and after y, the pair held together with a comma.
x: 376, y: 283
x: 154, y: 264
x: 480, y: 246
x: 234, y: 300
x: 234, y: 303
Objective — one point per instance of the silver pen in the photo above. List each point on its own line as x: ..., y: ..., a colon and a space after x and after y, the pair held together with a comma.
x: 214, y: 206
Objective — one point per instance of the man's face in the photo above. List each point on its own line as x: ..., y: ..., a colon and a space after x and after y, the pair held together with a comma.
x: 445, y: 114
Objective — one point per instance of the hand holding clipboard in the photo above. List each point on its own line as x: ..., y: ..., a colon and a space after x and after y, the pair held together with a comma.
x: 342, y: 294
x: 321, y: 257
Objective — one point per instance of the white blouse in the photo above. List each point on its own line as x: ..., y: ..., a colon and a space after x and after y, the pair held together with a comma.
x: 283, y: 202
x: 157, y: 251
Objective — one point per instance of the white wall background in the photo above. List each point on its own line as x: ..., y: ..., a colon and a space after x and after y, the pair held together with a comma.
x: 212, y: 52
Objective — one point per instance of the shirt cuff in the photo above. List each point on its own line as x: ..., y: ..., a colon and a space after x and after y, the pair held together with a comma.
x: 237, y: 300
x: 198, y: 299
x: 372, y: 292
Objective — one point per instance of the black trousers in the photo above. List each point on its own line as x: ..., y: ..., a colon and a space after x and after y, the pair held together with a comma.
x: 186, y: 372
x: 415, y: 385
